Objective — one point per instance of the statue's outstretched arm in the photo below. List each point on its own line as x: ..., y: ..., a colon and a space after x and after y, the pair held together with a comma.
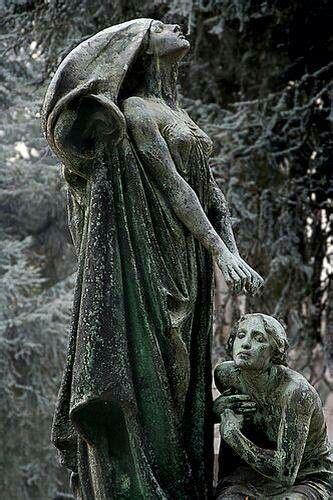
x: 282, y: 464
x: 155, y: 155
x: 219, y: 214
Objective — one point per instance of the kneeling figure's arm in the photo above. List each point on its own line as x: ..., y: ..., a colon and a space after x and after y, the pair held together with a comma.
x: 282, y: 464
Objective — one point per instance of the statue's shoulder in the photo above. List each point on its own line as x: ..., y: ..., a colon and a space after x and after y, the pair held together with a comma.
x: 135, y: 107
x: 134, y: 102
x: 141, y: 114
x: 298, y: 389
x: 226, y: 374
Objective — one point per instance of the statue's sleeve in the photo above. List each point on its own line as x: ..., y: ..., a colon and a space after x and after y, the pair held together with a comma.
x: 81, y: 130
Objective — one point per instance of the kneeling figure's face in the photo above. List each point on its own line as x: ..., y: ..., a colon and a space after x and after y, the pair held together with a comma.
x: 251, y: 348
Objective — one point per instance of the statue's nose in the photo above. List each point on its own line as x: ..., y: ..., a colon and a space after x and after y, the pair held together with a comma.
x: 246, y: 344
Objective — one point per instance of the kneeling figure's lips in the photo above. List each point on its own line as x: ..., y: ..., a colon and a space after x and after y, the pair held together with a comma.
x: 244, y: 353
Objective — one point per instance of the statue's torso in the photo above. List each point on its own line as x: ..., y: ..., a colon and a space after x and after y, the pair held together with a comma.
x: 271, y: 415
x: 190, y: 147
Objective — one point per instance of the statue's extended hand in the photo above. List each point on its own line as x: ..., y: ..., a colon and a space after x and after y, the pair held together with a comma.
x: 230, y: 423
x: 238, y: 274
x: 239, y: 403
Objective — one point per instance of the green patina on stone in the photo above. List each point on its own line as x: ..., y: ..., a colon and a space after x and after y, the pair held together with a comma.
x: 274, y: 437
x: 133, y: 418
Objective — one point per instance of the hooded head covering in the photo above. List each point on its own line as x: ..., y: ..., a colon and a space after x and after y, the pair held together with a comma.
x: 96, y: 68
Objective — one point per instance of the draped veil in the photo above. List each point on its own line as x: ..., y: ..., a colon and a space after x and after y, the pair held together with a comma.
x: 116, y: 424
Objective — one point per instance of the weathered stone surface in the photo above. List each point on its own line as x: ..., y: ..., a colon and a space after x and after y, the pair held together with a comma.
x: 133, y: 418
x: 274, y: 438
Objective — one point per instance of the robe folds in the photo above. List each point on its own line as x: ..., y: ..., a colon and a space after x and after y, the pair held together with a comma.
x: 133, y: 416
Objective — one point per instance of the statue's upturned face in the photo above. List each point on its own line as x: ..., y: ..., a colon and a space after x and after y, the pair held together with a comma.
x: 167, y: 40
x: 251, y: 348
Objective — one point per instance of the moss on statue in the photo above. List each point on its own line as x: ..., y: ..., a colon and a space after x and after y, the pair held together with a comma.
x: 274, y: 438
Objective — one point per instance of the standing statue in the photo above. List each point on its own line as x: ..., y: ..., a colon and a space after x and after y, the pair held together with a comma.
x: 133, y: 418
x: 274, y: 437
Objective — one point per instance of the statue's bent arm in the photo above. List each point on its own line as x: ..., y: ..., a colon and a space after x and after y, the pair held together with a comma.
x: 154, y: 151
x: 225, y: 376
x: 280, y: 465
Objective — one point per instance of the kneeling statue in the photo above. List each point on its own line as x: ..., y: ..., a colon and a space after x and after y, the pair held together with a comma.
x: 274, y: 438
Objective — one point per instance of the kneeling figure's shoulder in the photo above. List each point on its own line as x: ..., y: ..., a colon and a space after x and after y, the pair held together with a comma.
x: 300, y: 392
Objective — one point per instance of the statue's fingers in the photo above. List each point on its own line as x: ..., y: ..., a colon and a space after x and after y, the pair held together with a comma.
x: 241, y: 273
x: 232, y: 401
x: 237, y: 397
x: 236, y: 405
x: 253, y: 273
x: 237, y: 282
x: 246, y: 269
x: 247, y: 406
x: 257, y: 279
x: 246, y: 411
x: 255, y: 284
x: 258, y: 282
x: 249, y: 285
x: 230, y: 279
x: 261, y: 281
x: 227, y: 277
x: 242, y: 406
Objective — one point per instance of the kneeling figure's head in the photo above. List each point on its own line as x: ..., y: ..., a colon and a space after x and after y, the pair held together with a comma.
x: 257, y: 341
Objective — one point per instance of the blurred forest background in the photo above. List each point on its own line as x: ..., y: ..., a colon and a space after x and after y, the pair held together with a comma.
x: 258, y: 80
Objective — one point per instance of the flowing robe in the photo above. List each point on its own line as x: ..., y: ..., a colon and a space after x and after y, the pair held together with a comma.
x: 133, y: 417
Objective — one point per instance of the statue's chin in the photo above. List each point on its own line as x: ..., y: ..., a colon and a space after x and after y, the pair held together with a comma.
x: 179, y: 50
x: 242, y: 362
x: 245, y: 363
x: 185, y: 46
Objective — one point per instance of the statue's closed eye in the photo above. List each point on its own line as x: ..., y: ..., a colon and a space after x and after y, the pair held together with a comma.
x: 259, y: 337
